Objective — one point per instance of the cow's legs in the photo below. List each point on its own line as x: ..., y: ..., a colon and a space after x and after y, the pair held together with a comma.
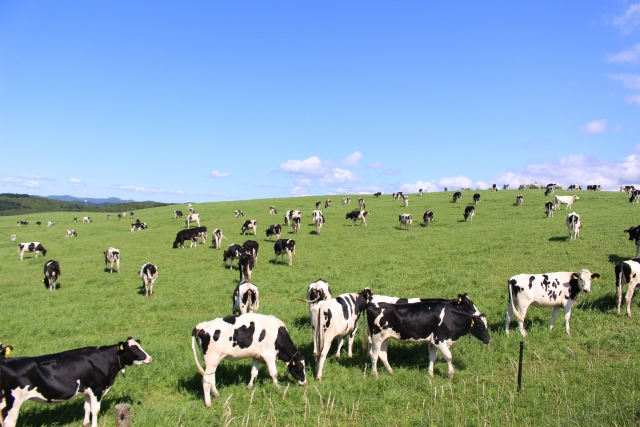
x: 619, y: 290
x: 630, y: 289
x: 95, y: 410
x: 352, y: 336
x: 637, y: 247
x: 383, y: 356
x: 523, y: 312
x: 340, y: 344
x: 374, y: 352
x: 444, y: 349
x: 433, y: 355
x: 567, y: 315
x: 255, y: 366
x: 87, y: 410
x: 554, y: 315
x: 273, y: 370
x: 289, y: 254
x: 209, y: 385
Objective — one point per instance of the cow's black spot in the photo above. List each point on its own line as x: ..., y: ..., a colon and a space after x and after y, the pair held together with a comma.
x: 515, y: 289
x: 216, y: 334
x: 262, y: 335
x: 327, y: 318
x: 230, y: 319
x: 531, y: 279
x: 345, y: 307
x: 204, y: 338
x: 402, y: 301
x: 243, y: 336
x: 574, y: 286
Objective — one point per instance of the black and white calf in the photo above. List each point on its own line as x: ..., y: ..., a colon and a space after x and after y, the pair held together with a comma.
x: 318, y: 204
x: 627, y: 273
x: 21, y: 223
x: 112, y: 256
x: 290, y: 215
x: 555, y: 290
x: 318, y: 220
x: 635, y: 196
x: 457, y: 196
x: 13, y: 237
x: 51, y: 274
x: 177, y: 214
x: 285, y: 246
x: 573, y: 224
x: 295, y: 224
x: 50, y: 224
x: 70, y: 233
x: 361, y: 203
x: 634, y: 234
x: 519, y: 199
x: 148, y: 274
x: 252, y: 247
x: 476, y: 198
x: 86, y: 219
x: 549, y: 208
x: 250, y: 224
x: 405, y: 200
x: 264, y: 339
x: 355, y: 215
x: 216, y: 238
x: 428, y: 218
x: 31, y: 247
x: 327, y: 203
x: 245, y: 298
x: 336, y: 318
x: 274, y: 230
x: 406, y: 220
x: 233, y: 252
x: 139, y: 226
x: 238, y: 213
x: 272, y: 211
x: 56, y: 378
x: 194, y: 217
x: 469, y: 213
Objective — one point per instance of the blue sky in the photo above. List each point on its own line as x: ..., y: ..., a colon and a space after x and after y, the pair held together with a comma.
x: 207, y: 101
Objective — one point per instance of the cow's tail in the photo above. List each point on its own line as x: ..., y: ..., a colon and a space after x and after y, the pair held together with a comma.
x: 195, y: 354
x: 511, y: 305
x: 250, y: 298
x: 318, y: 335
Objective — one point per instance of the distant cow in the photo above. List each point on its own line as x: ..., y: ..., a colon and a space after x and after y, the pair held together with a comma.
x: 13, y: 237
x: 555, y: 290
x: 568, y: 200
x: 575, y: 187
x: 285, y: 246
x: 250, y: 224
x: 634, y: 234
x: 70, y: 233
x: 38, y: 224
x: 289, y: 215
x: 355, y: 215
x: 549, y: 208
x: 476, y: 198
x: 519, y: 200
x: 108, y: 217
x: 406, y: 220
x: 573, y: 224
x: 428, y: 218
x: 274, y: 230
x: 112, y: 256
x: 635, y: 195
x: 264, y: 339
x: 51, y: 274
x: 457, y: 196
x: 131, y: 215
x: 31, y: 247
x: 504, y: 187
x: 245, y: 298
x: 238, y: 213
x: 50, y: 224
x: 216, y: 238
x: 295, y: 224
x: 234, y: 251
x: 405, y: 199
x: 627, y: 273
x: 21, y: 223
x: 549, y: 191
x: 184, y: 235
x: 246, y: 264
x: 318, y: 220
x: 86, y: 219
x: 139, y: 226
x: 124, y: 214
x: 344, y: 201
x: 494, y: 187
x: 318, y: 204
x: 327, y: 203
x: 420, y: 192
x: 119, y: 218
x: 469, y: 213
x: 252, y: 247
x: 378, y: 194
x: 361, y: 203
x: 272, y: 211
x: 177, y: 214
x: 593, y: 187
x: 627, y: 188
x: 193, y: 218
x: 148, y: 274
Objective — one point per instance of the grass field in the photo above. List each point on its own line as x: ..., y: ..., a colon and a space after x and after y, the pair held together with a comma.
x: 589, y: 378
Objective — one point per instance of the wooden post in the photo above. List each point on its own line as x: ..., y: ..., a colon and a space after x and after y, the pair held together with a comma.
x: 520, y: 366
x: 122, y: 415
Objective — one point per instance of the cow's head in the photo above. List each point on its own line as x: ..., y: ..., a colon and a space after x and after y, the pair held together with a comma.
x: 584, y: 278
x: 5, y: 351
x: 131, y: 353
x: 41, y: 249
x: 296, y: 368
x: 478, y: 328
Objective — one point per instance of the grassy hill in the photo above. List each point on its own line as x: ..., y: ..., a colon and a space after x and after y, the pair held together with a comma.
x: 589, y: 378
x: 23, y: 204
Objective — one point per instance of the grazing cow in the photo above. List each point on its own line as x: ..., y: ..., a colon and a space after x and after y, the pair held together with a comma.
x: 51, y: 274
x: 457, y: 196
x: 75, y: 220
x: 469, y: 213
x: 216, y: 237
x: 555, y: 290
x: 38, y: 224
x: 436, y: 322
x: 285, y: 246
x: 355, y: 215
x: 573, y: 224
x: 494, y: 187
x: 250, y: 336
x: 252, y: 247
x: 523, y: 187
x: 290, y: 215
x: 519, y: 200
x: 318, y: 204
x: 194, y: 242
x: 627, y: 272
x: 246, y: 264
x: 593, y: 188
x: 187, y: 234
x: 108, y: 217
x: 428, y: 218
x: 234, y: 251
x: 295, y: 224
x: 272, y: 211
x: 634, y: 234
x: 405, y: 199
x: 13, y: 237
x: 250, y: 224
x: 349, y: 200
x: 327, y: 203
x: 406, y: 220
x: 31, y: 247
x: 274, y: 230
x: 193, y: 218
x: 549, y: 191
x: 124, y: 214
x: 549, y: 208
x: 361, y: 203
x: 420, y: 192
x: 177, y: 214
x: 238, y: 214
x: 131, y: 215
x: 50, y: 224
x: 568, y: 200
x: 628, y: 189
x: 21, y: 223
x: 635, y: 195
x: 504, y: 187
x: 336, y: 318
x: 112, y: 256
x: 86, y: 219
x: 56, y: 378
x: 119, y: 217
x: 378, y: 194
x: 318, y: 220
x: 139, y: 226
x: 245, y: 298
x: 70, y: 233
x: 149, y: 275
x: 344, y: 201
x: 476, y: 198
x: 317, y: 291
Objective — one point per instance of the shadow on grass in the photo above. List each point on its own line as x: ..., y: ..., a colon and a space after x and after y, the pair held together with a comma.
x: 559, y: 239
x: 303, y: 322
x: 616, y: 259
x: 65, y: 413
x: 604, y: 304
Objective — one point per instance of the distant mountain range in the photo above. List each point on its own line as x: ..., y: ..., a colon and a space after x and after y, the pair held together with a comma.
x: 98, y: 202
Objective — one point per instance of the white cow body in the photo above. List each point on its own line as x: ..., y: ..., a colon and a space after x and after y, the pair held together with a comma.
x: 568, y: 200
x: 193, y: 218
x: 573, y: 224
x: 627, y: 272
x: 245, y: 298
x: 112, y: 256
x: 406, y: 220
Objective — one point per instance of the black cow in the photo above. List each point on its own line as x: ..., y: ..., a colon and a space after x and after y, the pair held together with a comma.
x: 177, y: 214
x: 51, y: 274
x: 549, y: 208
x: 476, y: 198
x: 355, y: 215
x: 457, y: 196
x: 634, y: 234
x: 274, y: 230
x: 252, y: 247
x: 233, y: 252
x: 38, y: 224
x: 55, y: 378
x: 469, y: 213
x: 285, y: 246
x: 187, y: 234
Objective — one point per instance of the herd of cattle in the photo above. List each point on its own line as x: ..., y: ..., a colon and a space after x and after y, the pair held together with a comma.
x: 91, y: 371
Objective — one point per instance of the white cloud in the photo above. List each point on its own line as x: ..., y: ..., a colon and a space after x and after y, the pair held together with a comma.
x: 303, y: 182
x: 392, y: 171
x: 299, y: 191
x: 630, y: 19
x: 134, y: 189
x: 338, y: 176
x: 618, y: 127
x: 630, y: 81
x: 594, y: 127
x: 217, y: 174
x: 630, y: 99
x: 452, y: 183
x: 352, y: 159
x: 16, y: 182
x: 75, y: 181
x: 375, y: 165
x: 31, y: 184
x: 629, y: 55
x: 314, y: 172
x: 31, y: 176
x: 310, y: 166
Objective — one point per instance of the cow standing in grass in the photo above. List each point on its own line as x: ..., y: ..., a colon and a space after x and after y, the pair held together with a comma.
x: 245, y: 298
x: 634, y: 234
x: 112, y: 256
x: 51, y: 274
x: 627, y: 273
x: 149, y: 275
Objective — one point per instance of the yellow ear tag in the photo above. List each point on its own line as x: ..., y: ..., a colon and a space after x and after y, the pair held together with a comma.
x: 8, y: 352
x: 121, y: 347
x: 472, y: 322
x: 596, y: 279
x: 293, y: 362
x: 459, y: 300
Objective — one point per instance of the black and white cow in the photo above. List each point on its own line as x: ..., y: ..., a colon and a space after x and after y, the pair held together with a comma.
x: 336, y: 318
x: 555, y: 290
x: 51, y: 274
x: 194, y: 242
x: 274, y: 230
x: 245, y: 298
x: 476, y: 198
x: 420, y: 192
x: 327, y: 203
x: 139, y: 226
x: 627, y: 273
x: 317, y: 291
x: 250, y: 224
x: 21, y: 223
x: 428, y: 218
x: 568, y: 200
x: 318, y: 204
x: 108, y: 217
x: 549, y: 191
x: 469, y: 213
x: 252, y: 247
x: 264, y: 339
x: 549, y: 208
x: 346, y: 201
x: 234, y: 251
x: 436, y: 322
x: 272, y: 210
x: 31, y: 247
x: 318, y: 220
x: 216, y: 238
x: 635, y: 196
x: 504, y: 187
x: 177, y: 214
x: 50, y: 224
x: 38, y: 224
x: 627, y: 188
x: 75, y: 220
x: 285, y: 246
x: 634, y: 234
x: 593, y: 187
x: 70, y: 233
x: 405, y: 200
x: 361, y: 203
x: 86, y: 219
x: 124, y: 214
x: 112, y: 256
x: 355, y: 215
x: 56, y: 378
x: 131, y: 215
x: 149, y: 275
x: 185, y: 235
x: 13, y: 237
x: 494, y: 187
x: 378, y: 194
x: 290, y: 215
x: 406, y: 220
x: 573, y: 224
x: 119, y: 217
x: 238, y: 213
x: 457, y: 196
x: 295, y: 224
x: 193, y: 218
x: 519, y: 199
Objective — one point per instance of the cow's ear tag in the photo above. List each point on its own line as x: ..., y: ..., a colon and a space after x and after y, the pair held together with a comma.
x: 8, y: 351
x: 121, y: 347
x: 575, y: 276
x: 596, y: 279
x: 293, y: 362
x: 472, y: 322
x: 459, y: 300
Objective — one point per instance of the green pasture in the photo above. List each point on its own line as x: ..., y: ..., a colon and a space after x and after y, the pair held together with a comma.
x: 589, y: 378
